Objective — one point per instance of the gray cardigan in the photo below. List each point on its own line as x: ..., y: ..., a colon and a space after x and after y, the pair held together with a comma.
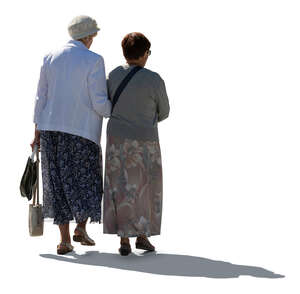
x: 142, y: 104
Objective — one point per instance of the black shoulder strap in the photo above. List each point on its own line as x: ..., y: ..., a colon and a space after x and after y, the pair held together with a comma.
x: 123, y: 85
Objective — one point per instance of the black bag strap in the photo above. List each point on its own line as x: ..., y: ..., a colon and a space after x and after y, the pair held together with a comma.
x: 123, y: 85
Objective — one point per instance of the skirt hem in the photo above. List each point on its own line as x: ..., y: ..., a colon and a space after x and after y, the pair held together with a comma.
x: 62, y: 222
x: 147, y: 234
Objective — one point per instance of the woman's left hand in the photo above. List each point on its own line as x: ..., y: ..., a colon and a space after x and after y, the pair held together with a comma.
x: 36, y: 140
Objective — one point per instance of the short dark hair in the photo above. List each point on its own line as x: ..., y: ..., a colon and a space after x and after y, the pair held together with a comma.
x: 135, y: 45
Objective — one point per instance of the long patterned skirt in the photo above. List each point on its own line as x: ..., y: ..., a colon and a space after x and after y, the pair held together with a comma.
x: 72, y: 177
x: 132, y: 187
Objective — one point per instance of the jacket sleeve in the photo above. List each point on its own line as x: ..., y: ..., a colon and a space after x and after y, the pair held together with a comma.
x: 98, y: 90
x: 42, y: 92
x: 163, y: 107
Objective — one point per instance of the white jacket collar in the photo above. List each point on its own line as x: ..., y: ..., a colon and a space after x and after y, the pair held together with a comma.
x: 75, y: 43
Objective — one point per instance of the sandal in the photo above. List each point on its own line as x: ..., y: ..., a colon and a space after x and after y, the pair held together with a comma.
x: 64, y: 247
x: 125, y: 249
x: 143, y: 243
x: 84, y: 239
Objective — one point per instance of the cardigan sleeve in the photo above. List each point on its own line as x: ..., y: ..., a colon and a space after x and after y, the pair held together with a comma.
x: 163, y: 107
x: 42, y: 92
x: 98, y: 90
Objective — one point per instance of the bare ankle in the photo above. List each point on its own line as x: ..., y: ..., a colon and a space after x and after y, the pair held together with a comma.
x: 142, y: 237
x: 65, y: 240
x: 124, y: 240
x: 82, y: 225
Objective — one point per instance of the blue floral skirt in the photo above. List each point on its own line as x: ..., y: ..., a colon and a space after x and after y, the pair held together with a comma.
x: 72, y: 177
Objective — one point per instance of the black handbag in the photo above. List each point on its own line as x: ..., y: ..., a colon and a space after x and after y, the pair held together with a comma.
x: 29, y: 178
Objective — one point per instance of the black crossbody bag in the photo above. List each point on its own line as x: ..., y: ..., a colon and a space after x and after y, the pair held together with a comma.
x: 123, y: 85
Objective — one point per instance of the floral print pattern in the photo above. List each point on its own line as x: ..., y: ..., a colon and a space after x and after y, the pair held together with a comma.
x: 132, y: 187
x: 72, y: 177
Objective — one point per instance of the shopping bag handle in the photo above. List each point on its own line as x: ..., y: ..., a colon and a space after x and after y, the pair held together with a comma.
x: 36, y: 198
x: 34, y: 152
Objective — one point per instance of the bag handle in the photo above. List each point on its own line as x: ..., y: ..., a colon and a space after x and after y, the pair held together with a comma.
x: 34, y: 151
x: 123, y: 85
x: 36, y: 196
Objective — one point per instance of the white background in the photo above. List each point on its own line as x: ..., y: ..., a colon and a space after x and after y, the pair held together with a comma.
x: 230, y: 147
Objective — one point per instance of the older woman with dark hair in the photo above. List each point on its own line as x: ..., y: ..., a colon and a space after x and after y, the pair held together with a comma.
x: 133, y: 170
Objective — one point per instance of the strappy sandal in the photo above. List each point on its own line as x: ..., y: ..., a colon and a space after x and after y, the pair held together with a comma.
x: 64, y: 248
x: 84, y: 239
x: 143, y: 243
x: 125, y: 249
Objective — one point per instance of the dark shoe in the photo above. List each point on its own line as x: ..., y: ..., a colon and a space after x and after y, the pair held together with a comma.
x: 143, y: 243
x: 125, y: 249
x: 64, y: 248
x: 83, y: 238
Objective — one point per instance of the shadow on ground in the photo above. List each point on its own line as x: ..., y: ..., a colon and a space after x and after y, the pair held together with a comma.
x: 166, y: 264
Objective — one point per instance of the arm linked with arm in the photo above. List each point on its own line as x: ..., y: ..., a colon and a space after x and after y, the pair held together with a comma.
x: 98, y: 89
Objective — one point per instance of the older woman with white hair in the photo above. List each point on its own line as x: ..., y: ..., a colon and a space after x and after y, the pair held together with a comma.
x: 70, y: 105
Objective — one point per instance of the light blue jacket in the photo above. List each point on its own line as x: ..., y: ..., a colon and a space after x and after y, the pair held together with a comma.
x: 72, y: 94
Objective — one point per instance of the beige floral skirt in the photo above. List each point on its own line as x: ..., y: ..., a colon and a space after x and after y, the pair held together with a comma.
x: 132, y: 187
